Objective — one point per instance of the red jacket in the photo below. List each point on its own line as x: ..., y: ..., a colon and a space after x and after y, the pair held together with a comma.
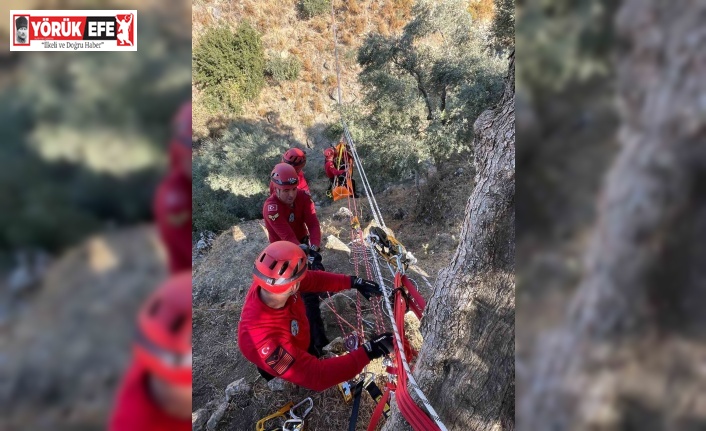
x: 277, y: 340
x: 172, y: 212
x: 285, y: 223
x: 331, y: 170
x: 301, y: 184
x: 135, y: 410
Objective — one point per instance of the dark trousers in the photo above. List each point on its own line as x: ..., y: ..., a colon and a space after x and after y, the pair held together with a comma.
x: 316, y: 324
x: 265, y: 375
x: 312, y: 302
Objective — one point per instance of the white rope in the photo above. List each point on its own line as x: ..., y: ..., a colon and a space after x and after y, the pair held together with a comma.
x: 377, y: 215
x: 387, y: 292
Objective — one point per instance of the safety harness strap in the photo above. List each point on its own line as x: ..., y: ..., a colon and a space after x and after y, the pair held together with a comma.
x: 356, y: 406
x: 377, y: 413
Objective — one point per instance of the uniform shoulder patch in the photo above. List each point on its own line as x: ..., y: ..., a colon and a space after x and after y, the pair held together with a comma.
x: 267, y: 348
x: 280, y: 360
x: 273, y: 217
x: 272, y: 207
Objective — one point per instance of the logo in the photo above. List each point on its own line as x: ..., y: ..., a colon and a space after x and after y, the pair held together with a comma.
x: 265, y: 350
x: 295, y: 327
x: 271, y: 207
x: 292, y: 180
x: 280, y: 360
x: 273, y: 217
x: 73, y: 30
x: 291, y: 217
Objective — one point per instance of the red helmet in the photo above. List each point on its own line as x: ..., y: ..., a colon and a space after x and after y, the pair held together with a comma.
x: 284, y: 176
x: 295, y: 157
x: 329, y: 153
x: 182, y: 125
x: 279, y: 266
x: 163, y: 339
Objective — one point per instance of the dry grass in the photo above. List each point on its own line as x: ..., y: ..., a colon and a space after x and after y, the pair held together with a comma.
x: 307, y: 65
x: 316, y: 104
x: 321, y: 25
x: 383, y: 27
x: 482, y: 10
x: 358, y: 25
x: 330, y: 80
x: 251, y: 9
x: 353, y: 7
x: 310, y: 40
x: 347, y: 38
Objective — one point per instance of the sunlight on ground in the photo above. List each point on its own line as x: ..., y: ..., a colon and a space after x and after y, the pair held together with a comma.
x: 159, y: 250
x: 333, y: 243
x: 101, y: 258
x: 238, y: 234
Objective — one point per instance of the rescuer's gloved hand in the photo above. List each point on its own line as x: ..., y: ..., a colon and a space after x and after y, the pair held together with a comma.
x: 367, y: 287
x: 379, y: 345
x: 314, y: 259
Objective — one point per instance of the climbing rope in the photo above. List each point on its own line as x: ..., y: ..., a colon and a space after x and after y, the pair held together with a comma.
x: 409, y: 409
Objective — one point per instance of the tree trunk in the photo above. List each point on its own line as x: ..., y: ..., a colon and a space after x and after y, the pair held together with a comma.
x: 630, y: 355
x: 466, y: 364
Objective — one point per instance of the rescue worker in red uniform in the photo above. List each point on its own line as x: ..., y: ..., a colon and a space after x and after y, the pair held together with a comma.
x: 155, y: 394
x: 290, y: 215
x: 273, y: 332
x: 333, y: 173
x: 296, y: 158
x: 172, y: 201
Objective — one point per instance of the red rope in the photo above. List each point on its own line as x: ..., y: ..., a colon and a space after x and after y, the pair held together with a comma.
x: 412, y: 413
x: 377, y: 413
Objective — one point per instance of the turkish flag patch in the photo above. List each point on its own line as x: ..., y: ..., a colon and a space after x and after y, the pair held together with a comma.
x: 272, y: 207
x: 280, y: 360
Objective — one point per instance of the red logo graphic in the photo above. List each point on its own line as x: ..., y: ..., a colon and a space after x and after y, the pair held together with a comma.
x: 126, y: 31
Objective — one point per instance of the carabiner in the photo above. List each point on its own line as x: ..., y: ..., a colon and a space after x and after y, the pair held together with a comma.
x: 306, y: 411
x: 298, y: 425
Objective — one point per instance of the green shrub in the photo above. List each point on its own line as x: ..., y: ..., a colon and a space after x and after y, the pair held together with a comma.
x: 283, y: 69
x: 231, y: 176
x: 229, y: 66
x: 311, y: 8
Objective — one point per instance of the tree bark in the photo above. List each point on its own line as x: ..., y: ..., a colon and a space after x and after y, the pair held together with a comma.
x: 630, y: 352
x: 466, y: 364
